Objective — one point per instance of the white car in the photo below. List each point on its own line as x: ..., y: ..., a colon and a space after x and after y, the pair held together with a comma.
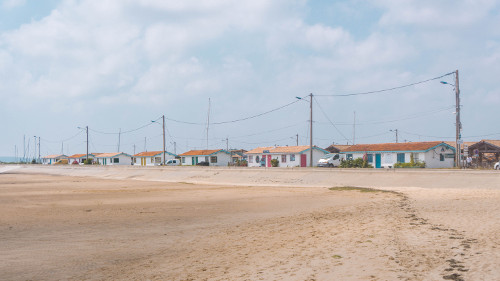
x: 173, y: 162
x: 329, y: 160
x: 497, y: 166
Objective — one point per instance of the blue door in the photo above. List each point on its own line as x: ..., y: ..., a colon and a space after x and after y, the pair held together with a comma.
x: 378, y: 161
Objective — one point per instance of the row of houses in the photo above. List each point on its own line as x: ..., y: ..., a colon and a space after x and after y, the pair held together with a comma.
x: 435, y: 154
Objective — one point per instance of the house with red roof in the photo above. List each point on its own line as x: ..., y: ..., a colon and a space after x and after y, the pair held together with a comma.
x: 77, y: 159
x: 52, y: 159
x: 287, y: 156
x: 214, y: 157
x: 435, y: 154
x: 152, y: 158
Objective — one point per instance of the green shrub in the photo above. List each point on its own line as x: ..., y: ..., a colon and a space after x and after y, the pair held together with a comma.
x: 275, y: 162
x: 88, y: 161
x: 355, y: 163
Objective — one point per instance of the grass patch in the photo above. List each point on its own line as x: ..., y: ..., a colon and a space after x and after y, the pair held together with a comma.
x: 336, y: 256
x: 360, y: 189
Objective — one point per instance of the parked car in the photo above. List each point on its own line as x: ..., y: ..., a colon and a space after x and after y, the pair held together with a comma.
x: 497, y: 166
x: 202, y: 163
x: 173, y: 162
x: 329, y: 160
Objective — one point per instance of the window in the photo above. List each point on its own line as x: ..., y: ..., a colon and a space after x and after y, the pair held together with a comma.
x: 157, y: 160
x: 183, y: 159
x: 401, y: 157
x: 369, y: 158
x: 250, y: 159
x: 206, y: 159
x: 349, y: 156
x: 135, y: 160
x: 441, y: 157
x: 116, y: 160
x: 283, y: 158
x: 257, y: 159
x: 292, y: 157
x: 213, y: 159
x: 415, y: 157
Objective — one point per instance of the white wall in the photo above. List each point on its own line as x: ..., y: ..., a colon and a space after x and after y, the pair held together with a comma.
x: 123, y: 160
x: 150, y: 160
x: 222, y: 159
x: 432, y: 158
x: 317, y: 154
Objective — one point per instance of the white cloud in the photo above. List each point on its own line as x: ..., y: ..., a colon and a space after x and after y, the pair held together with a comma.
x: 9, y: 4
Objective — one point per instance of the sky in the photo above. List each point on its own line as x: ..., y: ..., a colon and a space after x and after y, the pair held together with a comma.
x: 226, y: 74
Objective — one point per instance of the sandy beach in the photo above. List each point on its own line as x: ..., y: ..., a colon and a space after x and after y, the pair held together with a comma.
x: 128, y: 223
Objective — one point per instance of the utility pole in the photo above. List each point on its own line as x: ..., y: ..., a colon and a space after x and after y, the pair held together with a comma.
x: 297, y: 137
x: 145, y: 144
x: 34, y: 155
x: 24, y: 148
x: 134, y: 148
x: 458, y: 123
x: 395, y: 131
x: 354, y: 130
x: 87, y: 158
x: 39, y: 149
x: 311, y: 133
x: 227, y: 144
x: 208, y: 120
x: 163, y: 139
x: 175, y: 147
x: 119, y: 137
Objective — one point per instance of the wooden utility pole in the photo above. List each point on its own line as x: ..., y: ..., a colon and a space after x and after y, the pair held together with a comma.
x: 163, y: 139
x: 458, y: 123
x: 311, y: 128
x: 87, y: 158
x: 297, y: 136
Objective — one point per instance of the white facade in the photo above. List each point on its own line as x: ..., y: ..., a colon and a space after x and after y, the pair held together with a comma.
x: 440, y: 156
x: 216, y: 158
x: 286, y: 156
x: 154, y: 159
x: 110, y: 159
x: 79, y: 158
x: 52, y: 159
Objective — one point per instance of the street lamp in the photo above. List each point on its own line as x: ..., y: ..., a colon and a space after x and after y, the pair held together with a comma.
x: 458, y: 124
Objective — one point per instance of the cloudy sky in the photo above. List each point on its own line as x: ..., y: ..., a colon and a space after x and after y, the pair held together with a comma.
x: 119, y: 64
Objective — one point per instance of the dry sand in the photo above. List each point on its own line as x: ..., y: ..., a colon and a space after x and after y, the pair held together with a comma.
x: 57, y: 223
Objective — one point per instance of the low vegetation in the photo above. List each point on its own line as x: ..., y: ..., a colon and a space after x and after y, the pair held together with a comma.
x: 355, y: 163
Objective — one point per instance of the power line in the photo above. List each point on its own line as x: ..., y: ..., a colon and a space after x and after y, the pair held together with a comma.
x: 388, y: 89
x: 236, y: 120
x: 65, y: 140
x: 330, y: 120
x: 125, y: 132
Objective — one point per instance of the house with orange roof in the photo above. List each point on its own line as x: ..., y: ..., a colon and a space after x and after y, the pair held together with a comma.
x: 152, y: 158
x: 435, y: 154
x: 287, y: 156
x: 214, y: 157
x: 113, y: 158
x: 77, y: 159
x: 52, y: 159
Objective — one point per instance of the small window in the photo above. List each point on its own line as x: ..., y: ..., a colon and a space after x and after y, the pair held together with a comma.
x: 292, y: 157
x: 213, y: 159
x: 369, y: 158
x: 349, y: 156
x: 283, y: 158
x: 257, y: 159
x: 116, y: 160
x: 441, y: 157
x: 206, y: 158
x: 183, y: 159
x: 401, y: 158
x: 250, y: 159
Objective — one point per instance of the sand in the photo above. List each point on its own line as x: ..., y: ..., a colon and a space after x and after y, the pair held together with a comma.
x: 200, y: 223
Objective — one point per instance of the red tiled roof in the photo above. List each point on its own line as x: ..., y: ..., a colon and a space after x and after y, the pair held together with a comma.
x: 199, y: 152
x: 280, y: 149
x: 406, y: 146
x: 54, y: 156
x: 148, y: 153
x: 111, y: 154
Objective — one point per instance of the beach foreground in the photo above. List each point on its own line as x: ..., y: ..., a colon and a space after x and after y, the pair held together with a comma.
x: 63, y: 224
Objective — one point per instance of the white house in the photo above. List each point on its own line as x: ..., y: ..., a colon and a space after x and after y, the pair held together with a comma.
x: 216, y: 157
x: 152, y: 158
x: 52, y: 159
x: 288, y: 156
x: 79, y: 158
x: 113, y: 158
x: 434, y: 154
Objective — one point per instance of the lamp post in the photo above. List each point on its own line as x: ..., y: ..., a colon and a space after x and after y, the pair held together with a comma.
x: 458, y: 124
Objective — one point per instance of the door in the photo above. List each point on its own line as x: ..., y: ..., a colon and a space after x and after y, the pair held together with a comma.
x: 303, y: 160
x: 192, y: 161
x: 378, y: 161
x: 268, y: 161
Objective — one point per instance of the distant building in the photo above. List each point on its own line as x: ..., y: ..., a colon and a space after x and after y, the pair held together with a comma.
x: 287, y: 156
x: 214, y: 157
x: 435, y: 154
x: 79, y: 158
x: 152, y: 158
x: 113, y: 158
x: 336, y: 148
x: 52, y: 159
